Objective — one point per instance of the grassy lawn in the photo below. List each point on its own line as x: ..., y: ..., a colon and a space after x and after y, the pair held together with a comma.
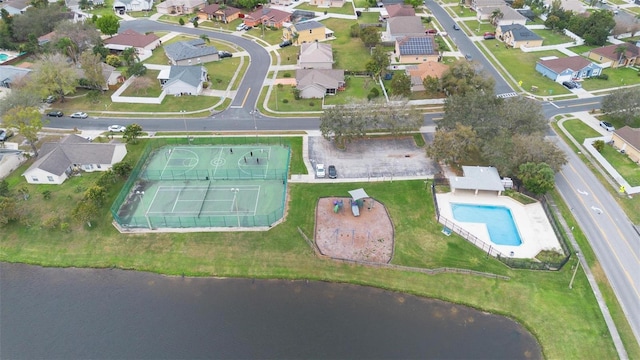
x: 617, y: 77
x: 346, y: 9
x: 272, y: 36
x: 350, y: 53
x: 633, y: 9
x: 567, y: 323
x: 584, y: 49
x: 521, y: 66
x: 479, y: 28
x: 629, y: 170
x: 286, y: 101
x: 357, y: 88
x: 171, y: 19
x: 140, y: 14
x: 221, y: 72
x: 369, y: 18
x: 152, y: 91
x: 461, y: 11
x: 289, y: 55
x: 580, y: 130
x: 552, y: 37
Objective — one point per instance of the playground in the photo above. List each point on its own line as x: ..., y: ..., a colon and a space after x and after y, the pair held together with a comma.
x: 354, y: 229
x: 207, y: 186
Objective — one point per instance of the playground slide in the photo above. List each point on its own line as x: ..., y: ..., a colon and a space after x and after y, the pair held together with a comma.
x: 355, y: 209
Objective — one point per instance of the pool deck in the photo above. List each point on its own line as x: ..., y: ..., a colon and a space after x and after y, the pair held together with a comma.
x: 532, y: 223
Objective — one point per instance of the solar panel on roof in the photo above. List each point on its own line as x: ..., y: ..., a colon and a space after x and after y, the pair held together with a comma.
x: 417, y: 46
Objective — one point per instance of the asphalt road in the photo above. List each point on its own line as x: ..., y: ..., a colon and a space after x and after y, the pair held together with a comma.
x: 608, y: 229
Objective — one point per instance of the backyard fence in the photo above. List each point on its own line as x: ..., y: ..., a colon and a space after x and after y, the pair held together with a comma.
x: 516, y: 263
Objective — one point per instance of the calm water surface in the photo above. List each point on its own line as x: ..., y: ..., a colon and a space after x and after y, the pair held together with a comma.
x: 112, y: 314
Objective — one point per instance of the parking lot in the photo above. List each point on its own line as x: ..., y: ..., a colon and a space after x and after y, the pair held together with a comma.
x: 373, y: 158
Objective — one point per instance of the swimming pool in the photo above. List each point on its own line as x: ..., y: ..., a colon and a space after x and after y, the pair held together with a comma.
x: 502, y: 229
x: 3, y: 57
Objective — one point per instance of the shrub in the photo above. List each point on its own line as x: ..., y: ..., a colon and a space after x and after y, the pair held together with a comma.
x: 287, y: 75
x: 285, y: 101
x: 51, y: 222
x: 598, y: 145
x: 113, y: 60
x: 312, y: 104
x: 354, y: 31
x: 605, y: 76
x: 280, y: 86
x: 205, y: 85
x: 373, y: 93
x: 181, y: 21
x: 64, y: 227
x: 46, y: 194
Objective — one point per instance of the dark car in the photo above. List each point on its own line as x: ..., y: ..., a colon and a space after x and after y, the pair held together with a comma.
x: 456, y: 27
x: 55, y: 113
x: 5, y: 134
x: 332, y: 172
x: 285, y: 43
x: 224, y: 54
x: 570, y: 84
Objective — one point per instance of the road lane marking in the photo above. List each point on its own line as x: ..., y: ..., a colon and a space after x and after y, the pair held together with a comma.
x: 576, y: 105
x: 582, y: 192
x: 245, y: 97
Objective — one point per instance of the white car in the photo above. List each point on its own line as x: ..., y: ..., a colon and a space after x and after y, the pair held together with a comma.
x: 607, y: 126
x: 320, y: 171
x: 116, y: 128
x: 241, y: 27
x: 79, y: 115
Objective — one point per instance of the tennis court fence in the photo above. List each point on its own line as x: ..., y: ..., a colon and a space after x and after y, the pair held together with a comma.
x: 217, y: 174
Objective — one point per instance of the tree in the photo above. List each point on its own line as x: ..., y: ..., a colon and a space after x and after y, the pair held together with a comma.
x: 480, y: 110
x: 622, y: 105
x: 205, y: 38
x: 354, y: 30
x: 132, y: 132
x: 86, y: 211
x: 108, y: 24
x: 598, y: 145
x: 507, y: 152
x: 141, y: 83
x: 79, y: 37
x: 496, y: 16
x: 451, y: 146
x: 19, y: 98
x: 122, y: 169
x: 537, y: 177
x: 620, y: 51
x: 518, y: 4
x: 370, y: 36
x: 431, y: 85
x: 130, y: 56
x: 414, y: 3
x: 68, y: 48
x: 92, y: 68
x: 248, y: 4
x: 462, y: 78
x: 53, y: 75
x: 37, y: 21
x: 401, y: 85
x: 9, y: 210
x: 101, y: 50
x: 136, y: 69
x: 379, y: 61
x: 28, y: 121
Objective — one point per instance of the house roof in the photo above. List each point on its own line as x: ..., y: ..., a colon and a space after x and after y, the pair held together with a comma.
x: 427, y: 68
x: 327, y: 78
x: 316, y: 52
x: 483, y: 3
x: 215, y: 8
x: 272, y: 14
x: 188, y: 74
x: 46, y: 38
x: 11, y: 10
x: 520, y: 32
x: 559, y: 65
x: 394, y: 10
x: 576, y: 6
x: 405, y: 25
x: 10, y: 73
x: 528, y: 13
x: 508, y: 13
x: 185, y: 3
x: 477, y: 178
x: 191, y: 49
x: 417, y: 45
x: 609, y: 51
x: 308, y: 25
x: 630, y: 135
x: 56, y: 157
x: 132, y: 38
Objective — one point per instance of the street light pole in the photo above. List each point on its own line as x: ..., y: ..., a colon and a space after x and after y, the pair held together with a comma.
x: 255, y: 124
x: 234, y: 203
x: 185, y: 125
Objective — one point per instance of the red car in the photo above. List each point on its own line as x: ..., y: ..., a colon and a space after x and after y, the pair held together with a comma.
x: 489, y: 35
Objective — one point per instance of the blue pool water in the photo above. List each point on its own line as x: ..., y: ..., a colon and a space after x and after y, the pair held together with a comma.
x: 3, y: 57
x: 502, y: 229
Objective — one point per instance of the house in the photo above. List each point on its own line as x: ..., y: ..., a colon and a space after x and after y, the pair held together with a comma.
x: 628, y: 139
x: 518, y: 35
x: 417, y: 73
x: 190, y: 52
x: 306, y: 32
x: 617, y: 55
x: 15, y: 7
x: 130, y: 38
x: 46, y: 38
x: 327, y: 3
x: 568, y: 68
x: 476, y: 179
x: 219, y: 13
x: 401, y: 26
x: 109, y: 74
x: 394, y: 10
x: 58, y: 160
x: 122, y: 6
x: 528, y: 13
x: 183, y: 80
x: 315, y: 55
x: 475, y: 4
x: 316, y: 83
x: 267, y: 16
x: 509, y: 15
x: 11, y: 74
x: 577, y: 6
x: 180, y: 7
x: 414, y: 49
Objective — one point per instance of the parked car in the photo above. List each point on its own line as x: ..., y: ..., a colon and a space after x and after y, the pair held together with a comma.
x: 456, y: 27
x: 116, y: 128
x: 489, y: 36
x: 468, y: 57
x: 332, y: 172
x: 50, y: 99
x: 224, y: 54
x: 431, y: 31
x: 5, y: 134
x: 570, y: 84
x: 320, y: 171
x: 55, y: 113
x: 285, y: 43
x: 241, y: 27
x: 79, y: 115
x: 607, y: 126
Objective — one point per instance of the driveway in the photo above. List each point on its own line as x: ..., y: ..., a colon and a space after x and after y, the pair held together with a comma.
x: 373, y: 158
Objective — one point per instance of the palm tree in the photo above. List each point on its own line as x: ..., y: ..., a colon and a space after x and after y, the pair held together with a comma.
x: 620, y: 50
x: 130, y: 56
x: 496, y: 15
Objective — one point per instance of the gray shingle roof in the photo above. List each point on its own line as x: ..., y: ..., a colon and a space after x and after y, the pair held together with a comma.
x: 307, y: 25
x: 188, y: 74
x: 316, y: 52
x: 327, y: 78
x: 191, y: 49
x: 10, y: 73
x: 520, y: 32
x: 404, y: 25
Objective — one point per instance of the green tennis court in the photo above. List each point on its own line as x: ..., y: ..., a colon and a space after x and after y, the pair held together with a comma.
x: 208, y: 186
